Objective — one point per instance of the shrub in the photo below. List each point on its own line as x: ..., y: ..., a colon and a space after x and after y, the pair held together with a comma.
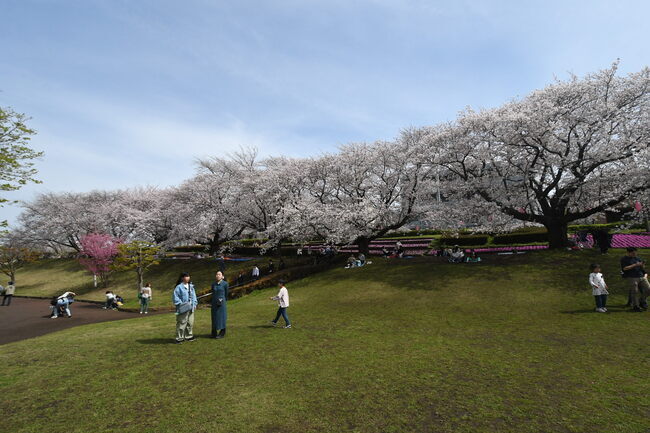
x: 520, y: 238
x: 412, y: 233
x: 191, y: 249
x: 464, y: 240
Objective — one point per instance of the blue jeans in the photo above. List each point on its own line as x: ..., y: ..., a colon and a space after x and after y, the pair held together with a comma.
x: 601, y: 301
x: 282, y: 312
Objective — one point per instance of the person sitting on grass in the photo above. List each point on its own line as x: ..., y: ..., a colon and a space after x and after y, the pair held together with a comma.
x: 457, y: 255
x: 352, y: 262
x: 362, y: 259
x: 472, y: 257
x: 385, y: 252
x: 598, y: 288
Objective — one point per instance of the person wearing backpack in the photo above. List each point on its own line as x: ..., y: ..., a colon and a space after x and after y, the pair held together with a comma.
x: 185, y: 301
x: 219, y: 313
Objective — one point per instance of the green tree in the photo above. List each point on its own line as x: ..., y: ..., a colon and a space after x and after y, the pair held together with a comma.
x: 136, y: 255
x: 16, y: 166
x: 13, y: 258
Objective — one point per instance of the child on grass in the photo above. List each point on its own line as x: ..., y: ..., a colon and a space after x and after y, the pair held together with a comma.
x: 598, y: 288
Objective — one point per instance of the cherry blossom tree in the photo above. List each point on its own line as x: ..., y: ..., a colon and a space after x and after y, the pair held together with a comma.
x: 97, y: 254
x: 361, y: 193
x: 561, y: 154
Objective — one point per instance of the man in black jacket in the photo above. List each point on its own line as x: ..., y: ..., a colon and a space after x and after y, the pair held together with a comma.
x: 636, y: 277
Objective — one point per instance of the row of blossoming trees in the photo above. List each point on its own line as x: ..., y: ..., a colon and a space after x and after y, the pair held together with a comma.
x: 561, y: 154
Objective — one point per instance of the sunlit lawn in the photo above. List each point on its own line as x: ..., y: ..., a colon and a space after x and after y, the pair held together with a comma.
x: 508, y: 345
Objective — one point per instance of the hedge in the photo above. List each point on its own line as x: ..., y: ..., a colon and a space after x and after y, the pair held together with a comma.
x: 191, y: 249
x: 412, y: 233
x: 520, y: 238
x: 473, y: 240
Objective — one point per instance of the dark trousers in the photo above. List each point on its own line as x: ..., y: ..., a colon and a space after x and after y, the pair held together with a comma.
x: 7, y: 299
x: 282, y: 312
x: 221, y: 333
x: 601, y: 301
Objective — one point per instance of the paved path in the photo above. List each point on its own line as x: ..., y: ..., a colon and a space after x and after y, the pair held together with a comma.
x: 27, y: 318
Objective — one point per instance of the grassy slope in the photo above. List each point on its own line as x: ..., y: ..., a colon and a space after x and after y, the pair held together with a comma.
x: 53, y: 277
x: 410, y: 346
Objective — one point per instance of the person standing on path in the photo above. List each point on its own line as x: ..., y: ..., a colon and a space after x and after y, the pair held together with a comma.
x: 145, y: 298
x: 256, y: 273
x: 636, y: 277
x: 8, y: 293
x: 185, y: 301
x: 219, y: 300
x: 283, y: 303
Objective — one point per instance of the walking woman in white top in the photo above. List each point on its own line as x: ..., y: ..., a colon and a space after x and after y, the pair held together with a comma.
x: 598, y: 288
x: 283, y: 303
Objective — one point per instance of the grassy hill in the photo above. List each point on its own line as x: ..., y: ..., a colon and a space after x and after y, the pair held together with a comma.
x: 55, y: 276
x: 508, y: 345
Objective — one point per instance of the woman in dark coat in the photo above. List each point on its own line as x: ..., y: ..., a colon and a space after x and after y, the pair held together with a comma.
x: 219, y: 299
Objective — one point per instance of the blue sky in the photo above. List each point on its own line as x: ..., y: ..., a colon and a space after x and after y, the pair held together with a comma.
x: 127, y: 93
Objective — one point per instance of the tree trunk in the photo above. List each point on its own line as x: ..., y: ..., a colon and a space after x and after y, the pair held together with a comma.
x: 557, y: 234
x: 364, y: 245
x: 140, y: 278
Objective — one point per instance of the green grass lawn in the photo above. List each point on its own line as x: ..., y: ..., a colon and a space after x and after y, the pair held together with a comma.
x: 55, y: 276
x: 508, y: 345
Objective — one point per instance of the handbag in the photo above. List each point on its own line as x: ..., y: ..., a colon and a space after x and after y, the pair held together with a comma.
x: 219, y: 302
x: 184, y: 307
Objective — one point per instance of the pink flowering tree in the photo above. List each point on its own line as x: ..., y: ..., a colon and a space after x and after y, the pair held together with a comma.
x: 97, y: 254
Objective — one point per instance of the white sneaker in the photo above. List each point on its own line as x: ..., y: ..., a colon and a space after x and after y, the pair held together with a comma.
x: 605, y: 309
x: 273, y: 323
x: 146, y: 312
x: 140, y: 312
x: 287, y: 327
x: 54, y: 317
x: 600, y: 310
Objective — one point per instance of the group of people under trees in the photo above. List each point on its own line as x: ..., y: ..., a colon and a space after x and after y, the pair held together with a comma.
x: 185, y: 302
x: 636, y: 277
x: 356, y: 262
x: 457, y: 255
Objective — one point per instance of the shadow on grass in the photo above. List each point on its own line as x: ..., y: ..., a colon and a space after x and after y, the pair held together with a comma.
x: 260, y: 326
x: 156, y: 341
x: 591, y: 311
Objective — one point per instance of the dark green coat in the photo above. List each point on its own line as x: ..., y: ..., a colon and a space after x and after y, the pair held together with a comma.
x: 219, y: 313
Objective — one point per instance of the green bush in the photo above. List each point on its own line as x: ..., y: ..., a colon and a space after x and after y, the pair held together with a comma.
x: 412, y: 233
x: 465, y: 240
x: 520, y: 238
x: 607, y: 226
x: 191, y: 249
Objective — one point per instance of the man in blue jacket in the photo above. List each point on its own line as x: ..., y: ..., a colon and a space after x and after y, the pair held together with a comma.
x: 185, y: 301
